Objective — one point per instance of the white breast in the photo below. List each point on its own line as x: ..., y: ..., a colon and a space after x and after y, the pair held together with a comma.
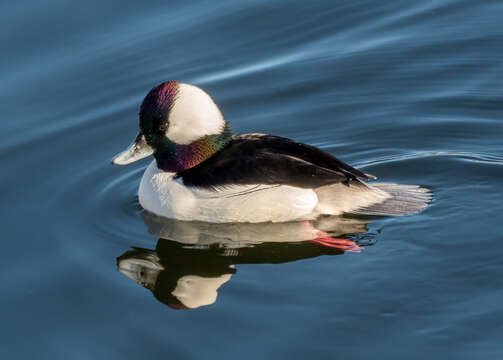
x: 162, y: 195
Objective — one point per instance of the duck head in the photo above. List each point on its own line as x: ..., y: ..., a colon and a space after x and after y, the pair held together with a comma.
x: 180, y: 125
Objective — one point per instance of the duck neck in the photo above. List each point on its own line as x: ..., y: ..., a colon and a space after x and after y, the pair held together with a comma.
x: 172, y: 157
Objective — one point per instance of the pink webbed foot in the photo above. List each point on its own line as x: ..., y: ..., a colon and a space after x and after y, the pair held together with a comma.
x: 338, y: 243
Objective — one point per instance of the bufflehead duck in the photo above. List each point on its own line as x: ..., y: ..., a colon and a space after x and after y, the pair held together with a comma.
x: 201, y: 172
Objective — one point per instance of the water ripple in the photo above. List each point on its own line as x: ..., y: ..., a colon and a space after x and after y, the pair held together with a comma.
x: 490, y: 159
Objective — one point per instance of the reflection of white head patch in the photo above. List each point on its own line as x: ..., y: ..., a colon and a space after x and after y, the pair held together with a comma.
x: 195, y: 291
x: 194, y: 114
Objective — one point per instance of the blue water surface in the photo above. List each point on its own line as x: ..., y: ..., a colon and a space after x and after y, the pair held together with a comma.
x: 408, y: 90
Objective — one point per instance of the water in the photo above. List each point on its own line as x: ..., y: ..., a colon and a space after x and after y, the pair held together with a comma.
x: 409, y: 91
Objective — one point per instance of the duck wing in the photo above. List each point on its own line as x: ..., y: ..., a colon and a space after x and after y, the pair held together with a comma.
x: 302, y: 151
x: 270, y: 160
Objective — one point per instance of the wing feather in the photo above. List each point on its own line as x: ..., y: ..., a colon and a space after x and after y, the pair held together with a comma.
x: 271, y: 160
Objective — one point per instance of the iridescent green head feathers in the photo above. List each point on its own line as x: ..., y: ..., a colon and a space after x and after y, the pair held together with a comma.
x: 180, y: 125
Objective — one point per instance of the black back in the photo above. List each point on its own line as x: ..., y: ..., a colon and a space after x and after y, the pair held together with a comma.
x: 265, y: 159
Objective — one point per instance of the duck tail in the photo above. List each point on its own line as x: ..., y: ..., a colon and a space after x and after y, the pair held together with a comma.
x: 402, y: 200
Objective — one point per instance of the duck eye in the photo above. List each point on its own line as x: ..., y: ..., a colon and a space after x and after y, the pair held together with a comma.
x: 163, y: 127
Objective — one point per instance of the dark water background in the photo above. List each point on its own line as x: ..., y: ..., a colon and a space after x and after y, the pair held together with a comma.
x: 408, y: 90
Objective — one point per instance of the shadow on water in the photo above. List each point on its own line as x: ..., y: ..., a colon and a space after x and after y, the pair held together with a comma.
x: 192, y: 260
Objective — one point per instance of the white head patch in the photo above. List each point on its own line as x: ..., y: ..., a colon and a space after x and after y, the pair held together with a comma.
x: 194, y: 114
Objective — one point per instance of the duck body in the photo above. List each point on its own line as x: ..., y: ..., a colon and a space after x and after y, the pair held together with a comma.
x: 164, y: 195
x: 202, y: 172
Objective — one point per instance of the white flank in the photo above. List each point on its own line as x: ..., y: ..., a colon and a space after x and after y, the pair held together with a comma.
x: 162, y: 195
x: 338, y: 198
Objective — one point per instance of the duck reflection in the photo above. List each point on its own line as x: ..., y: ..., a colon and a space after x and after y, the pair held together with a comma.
x: 192, y: 260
